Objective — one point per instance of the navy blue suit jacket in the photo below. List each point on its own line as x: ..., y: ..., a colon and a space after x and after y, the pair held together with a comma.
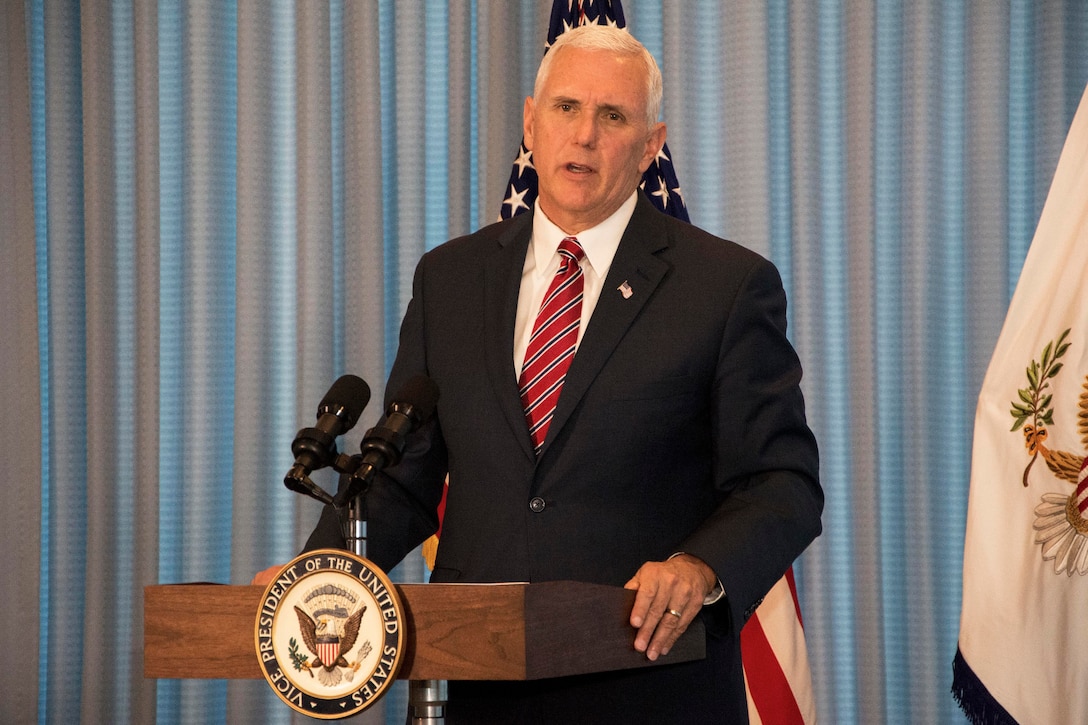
x: 680, y: 428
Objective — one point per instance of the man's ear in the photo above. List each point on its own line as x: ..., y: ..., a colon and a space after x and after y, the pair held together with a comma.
x: 655, y: 141
x: 527, y: 122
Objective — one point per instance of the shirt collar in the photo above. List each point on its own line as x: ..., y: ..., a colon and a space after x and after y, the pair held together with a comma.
x: 600, y: 242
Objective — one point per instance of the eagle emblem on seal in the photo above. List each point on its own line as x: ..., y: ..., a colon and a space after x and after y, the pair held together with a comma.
x: 1061, y: 519
x: 329, y: 630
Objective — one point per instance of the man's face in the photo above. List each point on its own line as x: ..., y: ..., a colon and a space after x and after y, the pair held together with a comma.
x: 588, y: 134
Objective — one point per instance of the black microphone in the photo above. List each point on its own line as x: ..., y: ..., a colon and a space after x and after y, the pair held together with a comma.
x: 384, y: 444
x: 315, y: 447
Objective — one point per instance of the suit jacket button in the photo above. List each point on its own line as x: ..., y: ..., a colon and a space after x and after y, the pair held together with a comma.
x: 536, y: 505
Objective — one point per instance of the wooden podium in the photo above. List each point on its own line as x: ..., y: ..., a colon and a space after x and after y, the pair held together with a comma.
x: 454, y: 631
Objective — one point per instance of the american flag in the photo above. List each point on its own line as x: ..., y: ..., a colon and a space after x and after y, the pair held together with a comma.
x: 776, y: 670
x: 658, y: 183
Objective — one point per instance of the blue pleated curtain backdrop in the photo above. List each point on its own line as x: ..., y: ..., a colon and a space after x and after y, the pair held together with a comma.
x: 210, y: 210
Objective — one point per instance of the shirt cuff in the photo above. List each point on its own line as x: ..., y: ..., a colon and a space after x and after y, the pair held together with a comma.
x: 715, y: 594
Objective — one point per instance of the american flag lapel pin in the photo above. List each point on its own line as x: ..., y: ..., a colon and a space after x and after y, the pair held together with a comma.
x: 625, y: 290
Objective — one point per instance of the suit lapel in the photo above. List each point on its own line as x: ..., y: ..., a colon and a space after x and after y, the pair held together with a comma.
x: 635, y: 264
x: 502, y: 283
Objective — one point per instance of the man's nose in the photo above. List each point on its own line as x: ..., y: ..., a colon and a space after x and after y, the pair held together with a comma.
x: 585, y: 130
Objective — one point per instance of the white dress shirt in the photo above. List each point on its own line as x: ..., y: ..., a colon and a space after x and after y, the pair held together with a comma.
x: 542, y: 262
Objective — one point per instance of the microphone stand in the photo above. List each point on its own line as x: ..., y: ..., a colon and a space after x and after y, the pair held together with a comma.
x: 426, y: 698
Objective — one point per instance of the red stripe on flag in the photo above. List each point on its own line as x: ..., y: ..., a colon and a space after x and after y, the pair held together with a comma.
x: 767, y: 683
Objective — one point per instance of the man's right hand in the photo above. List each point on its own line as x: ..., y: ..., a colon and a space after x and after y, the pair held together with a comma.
x: 264, y: 578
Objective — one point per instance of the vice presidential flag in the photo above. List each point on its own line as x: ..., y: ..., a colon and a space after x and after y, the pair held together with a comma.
x: 1023, y: 646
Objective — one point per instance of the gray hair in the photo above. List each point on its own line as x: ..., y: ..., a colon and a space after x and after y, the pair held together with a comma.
x: 617, y: 40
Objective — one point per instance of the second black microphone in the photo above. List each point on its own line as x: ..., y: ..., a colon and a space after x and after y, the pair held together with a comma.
x: 383, y: 445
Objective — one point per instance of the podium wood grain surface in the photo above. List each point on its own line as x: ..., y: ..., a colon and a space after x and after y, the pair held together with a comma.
x: 454, y: 631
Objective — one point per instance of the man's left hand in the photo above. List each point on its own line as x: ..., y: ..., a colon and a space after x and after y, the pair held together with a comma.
x: 670, y: 595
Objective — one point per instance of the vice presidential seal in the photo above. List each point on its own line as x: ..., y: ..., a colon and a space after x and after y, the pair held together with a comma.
x: 330, y: 634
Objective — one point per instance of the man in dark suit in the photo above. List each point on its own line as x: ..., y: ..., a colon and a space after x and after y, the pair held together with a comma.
x: 677, y: 461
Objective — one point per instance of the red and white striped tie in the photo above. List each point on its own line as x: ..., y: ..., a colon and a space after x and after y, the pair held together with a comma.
x: 552, y: 344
